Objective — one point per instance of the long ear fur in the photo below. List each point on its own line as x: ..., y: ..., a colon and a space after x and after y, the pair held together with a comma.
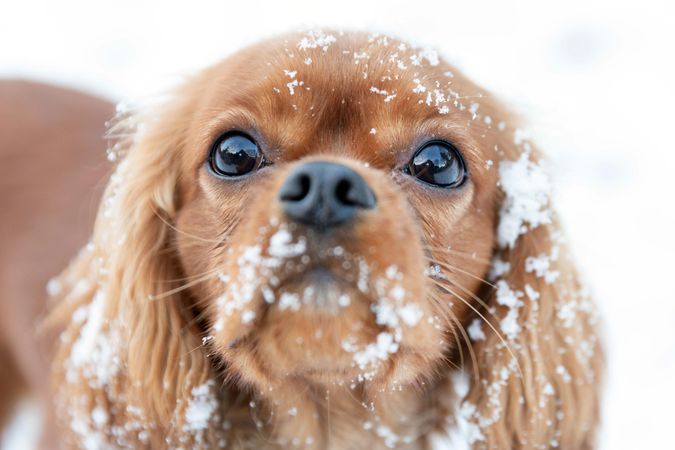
x: 131, y: 363
x: 539, y: 357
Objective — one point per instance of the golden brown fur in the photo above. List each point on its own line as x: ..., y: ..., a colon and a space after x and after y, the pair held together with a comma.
x: 147, y: 337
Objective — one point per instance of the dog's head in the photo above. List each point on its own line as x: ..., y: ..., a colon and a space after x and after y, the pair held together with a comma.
x: 318, y: 188
x: 324, y: 208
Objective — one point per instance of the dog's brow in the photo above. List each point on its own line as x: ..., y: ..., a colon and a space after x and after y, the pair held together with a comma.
x: 218, y: 121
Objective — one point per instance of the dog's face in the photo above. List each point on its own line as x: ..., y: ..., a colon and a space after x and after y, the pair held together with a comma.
x: 337, y: 209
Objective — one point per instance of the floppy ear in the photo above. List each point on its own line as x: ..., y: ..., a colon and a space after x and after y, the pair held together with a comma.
x: 130, y: 354
x: 539, y: 357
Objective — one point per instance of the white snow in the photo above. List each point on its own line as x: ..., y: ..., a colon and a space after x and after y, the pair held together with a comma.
x: 379, y: 350
x: 564, y: 374
x: 289, y: 301
x: 541, y: 267
x: 99, y: 417
x: 291, y: 85
x: 511, y: 299
x: 95, y: 352
x: 410, y: 314
x: 475, y: 330
x: 387, y: 95
x: 391, y: 311
x: 316, y: 39
x: 526, y: 206
x: 254, y: 266
x: 201, y: 407
x: 54, y: 287
x: 498, y: 268
x: 344, y: 300
x: 281, y: 245
x: 247, y: 316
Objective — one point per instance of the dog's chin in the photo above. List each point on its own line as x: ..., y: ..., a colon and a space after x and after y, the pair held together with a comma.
x: 305, y: 330
x: 314, y: 330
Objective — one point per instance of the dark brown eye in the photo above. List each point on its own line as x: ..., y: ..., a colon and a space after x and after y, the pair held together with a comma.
x: 438, y: 163
x: 235, y: 154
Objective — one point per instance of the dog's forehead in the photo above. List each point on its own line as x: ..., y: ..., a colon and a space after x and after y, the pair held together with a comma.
x: 339, y: 92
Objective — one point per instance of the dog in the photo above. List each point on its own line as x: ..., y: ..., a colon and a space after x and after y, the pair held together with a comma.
x: 315, y: 244
x: 52, y: 163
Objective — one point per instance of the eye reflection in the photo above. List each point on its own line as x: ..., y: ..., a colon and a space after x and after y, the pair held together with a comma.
x: 235, y: 154
x: 438, y: 163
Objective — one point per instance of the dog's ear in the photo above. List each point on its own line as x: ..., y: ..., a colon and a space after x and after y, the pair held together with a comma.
x: 539, y: 359
x: 130, y: 353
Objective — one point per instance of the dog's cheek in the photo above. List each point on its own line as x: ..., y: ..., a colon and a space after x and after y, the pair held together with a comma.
x: 195, y: 231
x: 460, y: 237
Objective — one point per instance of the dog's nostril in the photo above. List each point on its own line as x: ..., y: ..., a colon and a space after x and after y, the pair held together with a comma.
x: 342, y: 192
x: 297, y: 189
x: 355, y: 192
x: 323, y: 194
x: 305, y: 184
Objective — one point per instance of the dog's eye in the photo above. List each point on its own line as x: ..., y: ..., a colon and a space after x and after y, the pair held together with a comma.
x: 438, y: 163
x: 235, y: 154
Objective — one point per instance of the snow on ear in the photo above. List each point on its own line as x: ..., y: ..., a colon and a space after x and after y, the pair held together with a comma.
x: 539, y: 357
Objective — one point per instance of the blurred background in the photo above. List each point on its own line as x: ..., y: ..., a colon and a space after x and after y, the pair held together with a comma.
x: 593, y: 79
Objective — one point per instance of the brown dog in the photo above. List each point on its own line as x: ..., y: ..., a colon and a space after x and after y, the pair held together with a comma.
x: 305, y: 246
x: 52, y: 162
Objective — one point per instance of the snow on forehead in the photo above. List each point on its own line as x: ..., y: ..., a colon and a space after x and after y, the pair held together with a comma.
x: 314, y: 61
x: 308, y: 48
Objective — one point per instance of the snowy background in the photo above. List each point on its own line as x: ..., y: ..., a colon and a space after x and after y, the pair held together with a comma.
x: 594, y: 79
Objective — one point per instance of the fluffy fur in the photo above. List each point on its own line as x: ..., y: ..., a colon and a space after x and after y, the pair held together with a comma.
x: 176, y: 332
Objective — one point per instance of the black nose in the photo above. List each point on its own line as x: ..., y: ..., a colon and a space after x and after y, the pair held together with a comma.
x: 324, y: 194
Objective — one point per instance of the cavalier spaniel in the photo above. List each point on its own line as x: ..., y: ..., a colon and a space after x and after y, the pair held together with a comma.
x: 327, y: 241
